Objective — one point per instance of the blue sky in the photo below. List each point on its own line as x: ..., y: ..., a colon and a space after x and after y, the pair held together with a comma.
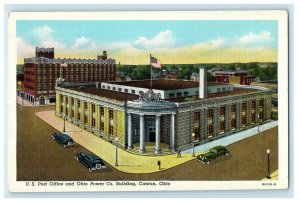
x: 159, y: 37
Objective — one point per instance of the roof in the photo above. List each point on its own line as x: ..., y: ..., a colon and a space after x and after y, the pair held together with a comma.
x: 115, y: 95
x: 236, y: 91
x: 163, y: 84
x: 232, y: 72
x: 121, y: 96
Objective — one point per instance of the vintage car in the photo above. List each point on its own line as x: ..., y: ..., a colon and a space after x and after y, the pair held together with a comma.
x: 91, y: 161
x: 213, y: 154
x: 63, y: 139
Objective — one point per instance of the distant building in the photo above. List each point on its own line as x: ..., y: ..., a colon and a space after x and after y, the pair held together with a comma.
x: 128, y: 78
x: 194, y: 76
x: 42, y: 71
x: 234, y: 77
x: 170, y: 76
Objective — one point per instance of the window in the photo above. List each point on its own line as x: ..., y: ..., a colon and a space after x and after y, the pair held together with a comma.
x: 253, y: 118
x: 93, y: 108
x: 253, y: 104
x: 261, y: 103
x: 210, y: 113
x: 132, y: 91
x: 114, y: 88
x: 186, y: 93
x: 171, y: 95
x: 196, y: 125
x: 111, y: 122
x: 233, y: 108
x: 93, y: 122
x: 196, y: 117
x: 179, y: 94
x: 233, y: 123
x: 119, y: 89
x: 209, y: 130
x: 85, y: 105
x: 243, y: 121
x: 85, y: 119
x: 222, y: 110
x: 222, y: 126
x: 72, y: 102
x: 101, y: 119
x: 243, y: 106
x: 126, y: 90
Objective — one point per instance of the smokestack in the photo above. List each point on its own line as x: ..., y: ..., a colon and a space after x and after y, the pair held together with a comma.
x: 202, y: 83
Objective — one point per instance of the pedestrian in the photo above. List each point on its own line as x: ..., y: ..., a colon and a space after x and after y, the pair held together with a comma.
x: 158, y: 163
x: 178, y: 153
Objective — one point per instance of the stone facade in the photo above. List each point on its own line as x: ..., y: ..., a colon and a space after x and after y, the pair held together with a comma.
x: 161, y: 121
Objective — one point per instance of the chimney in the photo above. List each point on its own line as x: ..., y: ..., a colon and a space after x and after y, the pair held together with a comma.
x: 202, y: 83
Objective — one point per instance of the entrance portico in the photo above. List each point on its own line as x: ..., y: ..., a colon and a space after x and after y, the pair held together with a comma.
x: 150, y: 109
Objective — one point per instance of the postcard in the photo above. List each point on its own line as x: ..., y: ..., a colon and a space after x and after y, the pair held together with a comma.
x: 148, y: 101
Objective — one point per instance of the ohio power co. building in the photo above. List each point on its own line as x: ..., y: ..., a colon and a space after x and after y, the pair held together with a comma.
x: 172, y: 113
x: 42, y: 71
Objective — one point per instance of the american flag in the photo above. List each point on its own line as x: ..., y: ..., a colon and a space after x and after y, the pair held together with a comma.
x: 64, y: 65
x: 155, y: 62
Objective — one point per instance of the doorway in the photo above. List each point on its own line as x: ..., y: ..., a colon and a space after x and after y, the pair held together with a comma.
x: 42, y: 100
x: 151, y: 136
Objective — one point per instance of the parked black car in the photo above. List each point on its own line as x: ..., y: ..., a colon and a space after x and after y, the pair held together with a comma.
x: 213, y: 154
x: 91, y: 161
x: 63, y: 139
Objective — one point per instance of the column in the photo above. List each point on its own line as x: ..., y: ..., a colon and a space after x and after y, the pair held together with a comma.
x: 142, y: 133
x: 129, y: 119
x: 172, y: 132
x: 157, y: 134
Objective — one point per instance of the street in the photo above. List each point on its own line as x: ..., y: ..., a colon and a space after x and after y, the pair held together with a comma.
x: 39, y: 157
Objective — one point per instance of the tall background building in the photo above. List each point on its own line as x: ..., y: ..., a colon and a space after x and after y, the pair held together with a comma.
x: 42, y: 71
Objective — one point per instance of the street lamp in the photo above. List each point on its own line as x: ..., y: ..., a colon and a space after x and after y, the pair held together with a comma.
x: 116, y: 163
x: 64, y: 123
x: 268, y: 175
x: 193, y: 135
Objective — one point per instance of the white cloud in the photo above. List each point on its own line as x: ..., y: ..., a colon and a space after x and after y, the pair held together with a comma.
x: 52, y: 43
x: 81, y: 42
x: 213, y: 44
x: 24, y: 49
x: 42, y: 33
x: 163, y: 39
x: 45, y: 38
x: 252, y: 38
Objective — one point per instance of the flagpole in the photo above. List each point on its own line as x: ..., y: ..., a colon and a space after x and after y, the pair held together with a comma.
x: 150, y: 73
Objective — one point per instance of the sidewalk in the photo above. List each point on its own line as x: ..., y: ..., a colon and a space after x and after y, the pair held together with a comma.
x: 135, y: 163
x: 128, y: 162
x: 274, y: 176
x: 25, y: 103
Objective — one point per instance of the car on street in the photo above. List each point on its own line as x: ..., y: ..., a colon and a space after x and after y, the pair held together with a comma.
x: 213, y: 154
x: 63, y: 139
x: 91, y: 161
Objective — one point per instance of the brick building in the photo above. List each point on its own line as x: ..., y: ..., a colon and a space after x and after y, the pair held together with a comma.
x: 42, y: 71
x: 234, y: 77
x: 176, y: 113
